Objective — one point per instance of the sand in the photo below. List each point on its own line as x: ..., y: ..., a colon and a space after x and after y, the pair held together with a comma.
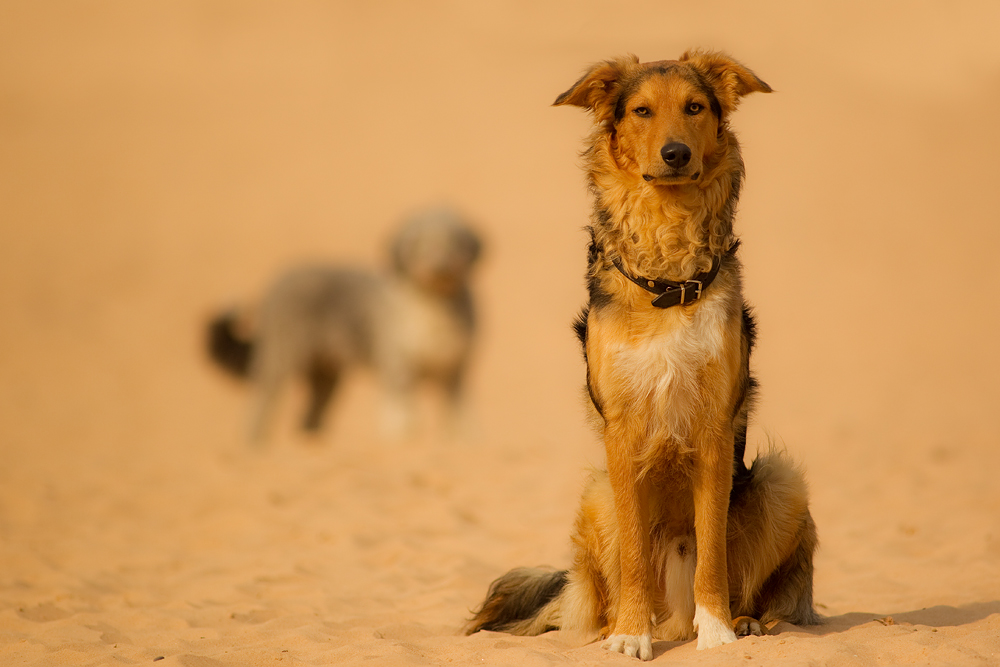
x: 162, y: 160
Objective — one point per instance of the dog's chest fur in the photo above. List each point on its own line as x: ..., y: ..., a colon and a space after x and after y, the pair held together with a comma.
x: 430, y: 334
x: 654, y: 362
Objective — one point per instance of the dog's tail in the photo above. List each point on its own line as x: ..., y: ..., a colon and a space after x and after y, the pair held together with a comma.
x: 227, y: 347
x: 525, y: 601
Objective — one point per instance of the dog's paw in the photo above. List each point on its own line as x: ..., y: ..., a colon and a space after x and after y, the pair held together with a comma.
x: 634, y: 646
x: 712, y: 631
x: 745, y: 626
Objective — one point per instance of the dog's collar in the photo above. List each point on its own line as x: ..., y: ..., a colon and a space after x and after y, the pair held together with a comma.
x: 670, y: 293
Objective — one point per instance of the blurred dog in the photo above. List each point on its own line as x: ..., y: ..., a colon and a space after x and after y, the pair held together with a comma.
x: 678, y: 536
x: 317, y: 322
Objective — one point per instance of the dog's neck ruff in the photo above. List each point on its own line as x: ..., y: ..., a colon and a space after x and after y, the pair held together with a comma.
x: 671, y: 293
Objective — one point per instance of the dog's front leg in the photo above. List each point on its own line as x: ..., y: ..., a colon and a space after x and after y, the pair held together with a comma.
x: 632, y: 632
x: 711, y: 485
x: 399, y: 382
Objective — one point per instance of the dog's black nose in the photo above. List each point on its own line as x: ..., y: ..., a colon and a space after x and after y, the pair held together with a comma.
x: 676, y: 154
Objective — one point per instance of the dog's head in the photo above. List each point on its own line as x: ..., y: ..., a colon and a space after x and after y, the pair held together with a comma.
x: 436, y: 250
x: 668, y: 118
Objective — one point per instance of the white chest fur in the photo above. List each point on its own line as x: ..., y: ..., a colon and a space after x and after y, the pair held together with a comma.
x: 659, y: 364
x: 426, y: 332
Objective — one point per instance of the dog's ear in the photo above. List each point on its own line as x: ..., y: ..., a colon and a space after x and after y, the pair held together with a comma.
x: 729, y: 79
x: 475, y: 247
x: 399, y: 257
x: 598, y: 89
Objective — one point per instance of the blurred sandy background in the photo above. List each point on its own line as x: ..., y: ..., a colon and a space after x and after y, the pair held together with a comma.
x: 159, y: 160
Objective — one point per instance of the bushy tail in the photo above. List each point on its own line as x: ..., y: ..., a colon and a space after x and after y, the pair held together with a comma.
x: 525, y: 601
x: 226, y: 347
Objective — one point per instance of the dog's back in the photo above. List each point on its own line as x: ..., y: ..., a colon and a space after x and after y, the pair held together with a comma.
x: 318, y: 314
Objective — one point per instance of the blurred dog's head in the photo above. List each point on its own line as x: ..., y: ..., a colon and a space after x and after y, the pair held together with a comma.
x: 436, y: 250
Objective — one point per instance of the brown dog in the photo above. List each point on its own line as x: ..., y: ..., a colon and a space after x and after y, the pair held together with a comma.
x: 678, y: 536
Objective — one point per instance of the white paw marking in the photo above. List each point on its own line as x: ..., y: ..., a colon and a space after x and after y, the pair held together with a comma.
x: 712, y: 631
x: 634, y: 646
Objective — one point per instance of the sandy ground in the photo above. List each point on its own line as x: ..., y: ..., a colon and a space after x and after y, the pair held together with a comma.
x: 161, y: 160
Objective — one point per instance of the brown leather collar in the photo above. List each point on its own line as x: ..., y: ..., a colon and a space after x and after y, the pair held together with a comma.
x: 670, y: 293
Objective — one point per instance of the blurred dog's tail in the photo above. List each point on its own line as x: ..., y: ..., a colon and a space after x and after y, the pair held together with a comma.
x: 227, y: 347
x: 525, y: 601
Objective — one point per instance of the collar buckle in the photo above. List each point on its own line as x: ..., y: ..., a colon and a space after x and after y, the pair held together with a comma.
x: 685, y: 286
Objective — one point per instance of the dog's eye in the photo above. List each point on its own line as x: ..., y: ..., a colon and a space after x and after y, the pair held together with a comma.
x: 693, y: 109
x: 642, y: 112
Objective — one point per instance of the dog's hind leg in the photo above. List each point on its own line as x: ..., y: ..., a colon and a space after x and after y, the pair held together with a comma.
x: 323, y: 380
x: 260, y: 411
x: 770, y: 544
x: 268, y: 376
x: 788, y: 593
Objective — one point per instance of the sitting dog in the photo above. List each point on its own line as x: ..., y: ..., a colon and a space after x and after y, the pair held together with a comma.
x: 678, y: 536
x: 317, y: 322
